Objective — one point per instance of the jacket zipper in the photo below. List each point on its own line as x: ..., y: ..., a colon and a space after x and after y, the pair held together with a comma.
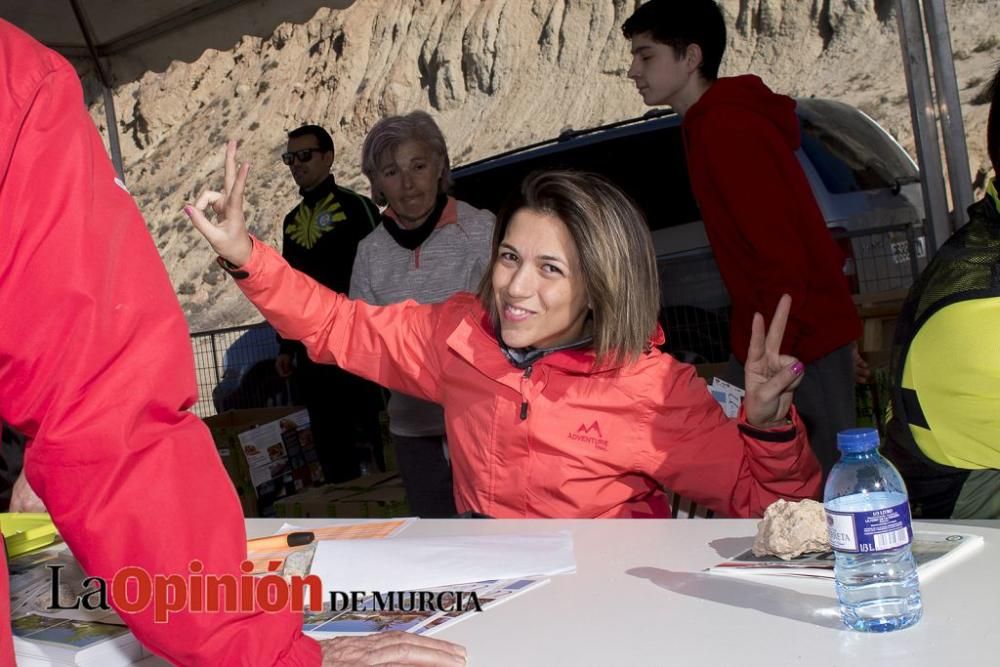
x: 524, y: 392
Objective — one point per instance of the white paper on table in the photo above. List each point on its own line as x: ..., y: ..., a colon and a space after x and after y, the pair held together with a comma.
x: 408, y: 564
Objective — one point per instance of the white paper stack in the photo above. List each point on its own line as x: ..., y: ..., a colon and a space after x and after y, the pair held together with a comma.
x: 407, y: 564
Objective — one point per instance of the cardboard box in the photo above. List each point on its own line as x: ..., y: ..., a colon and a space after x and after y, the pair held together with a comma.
x: 324, y: 501
x: 268, y: 453
x: 383, y: 502
x: 878, y: 312
x: 367, y: 482
x: 317, y: 502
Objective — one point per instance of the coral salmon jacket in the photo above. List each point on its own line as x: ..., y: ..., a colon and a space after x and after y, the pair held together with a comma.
x: 563, y: 438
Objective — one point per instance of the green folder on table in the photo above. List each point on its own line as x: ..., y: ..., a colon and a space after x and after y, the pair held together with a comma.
x: 26, y: 531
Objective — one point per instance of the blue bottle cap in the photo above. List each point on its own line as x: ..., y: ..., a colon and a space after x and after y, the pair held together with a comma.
x: 855, y: 440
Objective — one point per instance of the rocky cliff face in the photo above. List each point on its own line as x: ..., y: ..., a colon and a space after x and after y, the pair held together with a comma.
x: 496, y: 74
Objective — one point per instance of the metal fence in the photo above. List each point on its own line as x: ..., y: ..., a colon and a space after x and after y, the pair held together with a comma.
x: 886, y: 258
x: 234, y: 368
x: 695, y: 304
x: 694, y: 310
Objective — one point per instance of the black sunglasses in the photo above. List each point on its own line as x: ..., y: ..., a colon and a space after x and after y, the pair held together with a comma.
x: 304, y: 155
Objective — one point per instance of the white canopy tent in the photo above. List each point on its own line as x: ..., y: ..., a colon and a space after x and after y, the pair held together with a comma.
x: 124, y: 38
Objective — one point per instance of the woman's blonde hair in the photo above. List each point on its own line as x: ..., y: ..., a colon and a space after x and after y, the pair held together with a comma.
x: 617, y: 261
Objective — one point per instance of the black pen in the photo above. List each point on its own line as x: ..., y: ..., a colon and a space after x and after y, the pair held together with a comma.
x: 283, y: 541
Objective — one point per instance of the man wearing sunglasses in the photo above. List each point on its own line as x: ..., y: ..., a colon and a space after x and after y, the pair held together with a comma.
x: 321, y: 236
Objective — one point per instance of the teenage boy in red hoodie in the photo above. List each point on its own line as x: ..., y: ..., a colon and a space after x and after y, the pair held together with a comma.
x: 766, y: 230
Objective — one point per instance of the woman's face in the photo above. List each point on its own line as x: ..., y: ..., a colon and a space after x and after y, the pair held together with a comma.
x: 409, y: 179
x: 538, y: 287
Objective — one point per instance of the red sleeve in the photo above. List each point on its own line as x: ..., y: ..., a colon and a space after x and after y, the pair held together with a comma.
x: 96, y: 368
x: 699, y: 453
x: 393, y: 345
x: 759, y: 176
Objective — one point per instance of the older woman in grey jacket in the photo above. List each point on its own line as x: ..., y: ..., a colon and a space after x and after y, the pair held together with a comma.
x: 428, y: 247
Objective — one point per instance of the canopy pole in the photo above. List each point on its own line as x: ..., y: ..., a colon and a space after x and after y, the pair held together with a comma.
x: 918, y: 85
x: 949, y: 109
x: 109, y: 97
x: 112, y: 123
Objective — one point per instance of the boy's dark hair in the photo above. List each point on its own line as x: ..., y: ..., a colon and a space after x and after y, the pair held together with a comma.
x: 681, y: 23
x: 323, y: 139
x: 993, y: 124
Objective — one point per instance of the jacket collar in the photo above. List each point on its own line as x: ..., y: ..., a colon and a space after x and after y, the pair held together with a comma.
x: 991, y: 194
x: 413, y: 238
x: 987, y: 210
x: 523, y: 358
x: 327, y: 187
x: 475, y: 340
x: 448, y: 216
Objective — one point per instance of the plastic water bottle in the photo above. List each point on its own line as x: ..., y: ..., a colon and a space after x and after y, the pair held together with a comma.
x: 868, y: 517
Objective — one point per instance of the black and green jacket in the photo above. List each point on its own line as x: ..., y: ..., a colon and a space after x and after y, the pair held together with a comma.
x: 945, y: 366
x: 321, y: 236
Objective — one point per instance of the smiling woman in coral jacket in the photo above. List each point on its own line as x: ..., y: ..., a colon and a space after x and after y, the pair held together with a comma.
x: 557, y: 403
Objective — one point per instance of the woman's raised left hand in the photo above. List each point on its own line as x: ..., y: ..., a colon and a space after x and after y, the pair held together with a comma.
x: 770, y: 377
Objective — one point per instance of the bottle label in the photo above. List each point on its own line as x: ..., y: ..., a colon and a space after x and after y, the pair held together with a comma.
x: 870, y: 531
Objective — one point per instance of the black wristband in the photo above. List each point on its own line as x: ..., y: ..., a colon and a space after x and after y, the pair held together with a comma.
x: 230, y: 268
x: 785, y: 435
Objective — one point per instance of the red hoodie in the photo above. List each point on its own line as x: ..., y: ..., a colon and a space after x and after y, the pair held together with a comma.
x: 96, y: 368
x: 762, y: 220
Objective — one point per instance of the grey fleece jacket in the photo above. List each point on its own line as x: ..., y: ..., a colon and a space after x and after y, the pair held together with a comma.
x: 452, y: 259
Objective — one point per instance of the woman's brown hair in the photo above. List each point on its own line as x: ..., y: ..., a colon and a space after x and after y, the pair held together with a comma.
x: 616, y: 257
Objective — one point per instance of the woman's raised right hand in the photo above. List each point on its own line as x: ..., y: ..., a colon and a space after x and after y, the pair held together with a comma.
x: 227, y: 234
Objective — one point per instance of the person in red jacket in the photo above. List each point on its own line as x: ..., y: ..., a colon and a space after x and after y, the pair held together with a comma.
x: 556, y: 401
x: 97, y: 371
x: 765, y: 227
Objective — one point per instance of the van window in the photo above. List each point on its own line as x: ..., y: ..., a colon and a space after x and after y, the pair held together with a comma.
x: 648, y: 166
x: 849, y: 152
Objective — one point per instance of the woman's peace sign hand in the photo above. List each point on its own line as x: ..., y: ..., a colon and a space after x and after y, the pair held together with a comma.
x: 771, y: 377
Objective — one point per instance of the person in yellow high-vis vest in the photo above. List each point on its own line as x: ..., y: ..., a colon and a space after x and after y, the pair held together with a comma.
x: 944, y: 434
